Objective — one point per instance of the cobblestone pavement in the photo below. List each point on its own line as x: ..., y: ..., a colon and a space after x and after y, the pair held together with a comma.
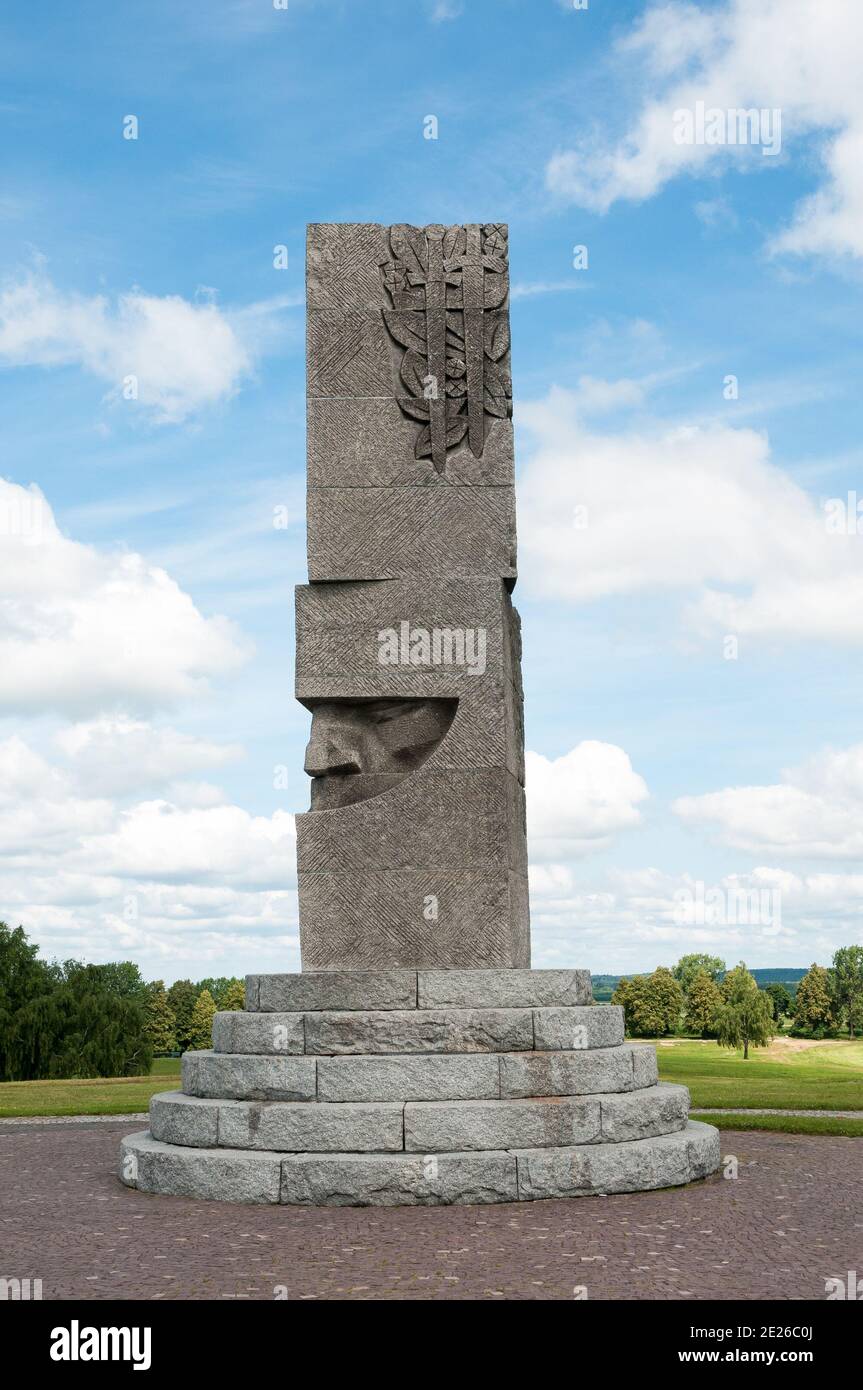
x: 792, y: 1218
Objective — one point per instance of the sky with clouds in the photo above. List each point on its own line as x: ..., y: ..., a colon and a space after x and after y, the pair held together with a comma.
x: 687, y: 361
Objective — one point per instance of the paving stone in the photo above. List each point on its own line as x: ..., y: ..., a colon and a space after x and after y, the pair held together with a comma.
x: 422, y: 1030
x: 313, y: 1128
x: 504, y: 989
x: 245, y: 1076
x: 216, y: 1174
x: 242, y: 1031
x: 639, y: 1165
x: 426, y: 1077
x: 567, y: 1073
x: 334, y: 989
x: 438, y: 1126
x: 564, y: 1030
x: 383, y: 1180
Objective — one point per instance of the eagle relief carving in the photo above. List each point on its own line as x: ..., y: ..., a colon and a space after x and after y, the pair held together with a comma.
x: 448, y: 287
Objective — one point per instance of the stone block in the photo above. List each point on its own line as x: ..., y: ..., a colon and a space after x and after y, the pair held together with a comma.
x: 585, y: 1072
x: 426, y: 1077
x: 348, y: 353
x: 441, y: 1126
x: 389, y: 1180
x: 385, y: 533
x: 213, y: 1174
x: 335, y: 989
x: 369, y: 442
x: 244, y: 1031
x: 423, y: 1030
x: 433, y: 819
x: 312, y: 1128
x: 564, y: 1030
x: 245, y: 1076
x: 704, y: 1149
x: 644, y: 1069
x: 343, y: 265
x: 356, y: 921
x: 503, y: 989
x: 640, y: 1165
x: 659, y: 1109
x: 179, y: 1119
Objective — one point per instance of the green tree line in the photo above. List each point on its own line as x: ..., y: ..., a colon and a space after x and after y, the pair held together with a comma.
x: 61, y: 1019
x: 700, y: 998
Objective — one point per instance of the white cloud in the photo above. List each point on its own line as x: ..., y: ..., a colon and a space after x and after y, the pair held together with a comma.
x: 632, y: 920
x: 179, y: 888
x: 801, y: 58
x: 446, y: 9
x: 815, y: 812
x: 578, y: 802
x: 530, y: 289
x: 112, y: 755
x: 174, y: 358
x: 84, y: 630
x: 695, y: 509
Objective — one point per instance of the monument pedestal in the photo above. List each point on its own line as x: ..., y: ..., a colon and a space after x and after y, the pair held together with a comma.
x: 399, y: 1087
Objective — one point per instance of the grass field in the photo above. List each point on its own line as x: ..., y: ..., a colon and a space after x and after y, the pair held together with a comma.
x: 104, y: 1096
x: 790, y: 1074
x: 784, y: 1124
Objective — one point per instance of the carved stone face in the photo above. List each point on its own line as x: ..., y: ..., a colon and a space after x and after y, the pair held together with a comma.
x: 359, y: 748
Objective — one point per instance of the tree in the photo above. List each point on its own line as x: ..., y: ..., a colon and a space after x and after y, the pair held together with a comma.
x: 217, y: 985
x: 97, y: 1031
x: 744, y: 1018
x: 780, y: 1000
x: 123, y: 978
x: 848, y: 984
x: 234, y: 997
x: 814, y: 1010
x: 201, y: 1025
x: 688, y: 967
x: 652, y: 1004
x: 26, y: 984
x: 182, y: 997
x: 161, y: 1024
x: 702, y: 1004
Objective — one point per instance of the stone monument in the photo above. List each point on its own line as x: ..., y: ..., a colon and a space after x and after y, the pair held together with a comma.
x: 416, y: 1058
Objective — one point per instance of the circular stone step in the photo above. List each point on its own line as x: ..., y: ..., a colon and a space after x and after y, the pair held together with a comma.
x: 347, y: 1179
x: 389, y: 1031
x: 419, y: 1076
x: 418, y: 1126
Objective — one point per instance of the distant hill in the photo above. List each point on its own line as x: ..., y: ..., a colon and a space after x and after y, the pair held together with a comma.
x: 789, y: 976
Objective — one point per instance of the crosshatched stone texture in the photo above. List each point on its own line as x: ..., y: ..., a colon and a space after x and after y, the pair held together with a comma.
x: 416, y: 1058
x: 415, y: 851
x: 432, y: 871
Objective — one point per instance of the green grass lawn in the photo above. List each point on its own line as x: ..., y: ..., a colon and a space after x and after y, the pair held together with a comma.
x: 821, y: 1076
x: 103, y: 1096
x: 784, y: 1124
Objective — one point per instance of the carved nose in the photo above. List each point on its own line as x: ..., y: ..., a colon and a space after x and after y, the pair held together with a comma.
x: 324, y: 758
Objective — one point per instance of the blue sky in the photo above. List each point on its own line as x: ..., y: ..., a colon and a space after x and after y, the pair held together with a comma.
x: 146, y: 634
